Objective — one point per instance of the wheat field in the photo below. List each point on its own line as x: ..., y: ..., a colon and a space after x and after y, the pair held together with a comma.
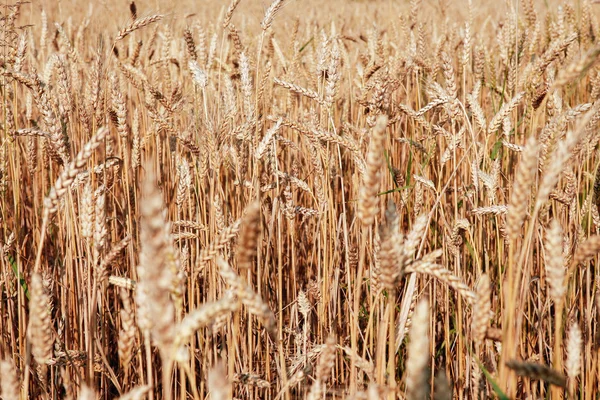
x: 347, y: 199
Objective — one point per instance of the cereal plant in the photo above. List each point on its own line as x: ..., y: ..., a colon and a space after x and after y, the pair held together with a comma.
x: 350, y: 199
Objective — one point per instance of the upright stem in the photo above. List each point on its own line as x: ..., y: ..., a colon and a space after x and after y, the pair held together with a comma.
x: 36, y: 268
x: 357, y: 290
x: 555, y: 391
x: 38, y: 258
x: 149, y: 364
x: 508, y: 334
x: 392, y: 345
x: 167, y: 373
x: 512, y: 322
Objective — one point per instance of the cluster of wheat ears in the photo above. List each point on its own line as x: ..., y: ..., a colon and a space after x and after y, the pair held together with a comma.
x: 355, y: 199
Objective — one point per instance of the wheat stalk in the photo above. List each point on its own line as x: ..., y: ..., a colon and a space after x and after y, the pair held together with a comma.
x: 417, y: 381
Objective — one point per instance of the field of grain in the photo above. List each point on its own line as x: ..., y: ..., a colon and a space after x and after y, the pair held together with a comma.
x: 347, y: 199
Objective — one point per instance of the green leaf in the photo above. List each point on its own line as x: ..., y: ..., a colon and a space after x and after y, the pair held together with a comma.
x: 496, y: 149
x: 13, y: 265
x: 495, y: 387
x: 306, y: 44
x: 398, y: 189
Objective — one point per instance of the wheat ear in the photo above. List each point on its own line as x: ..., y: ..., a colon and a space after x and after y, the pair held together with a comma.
x: 9, y: 384
x: 538, y: 372
x: 137, y: 24
x: 252, y: 300
x: 368, y: 200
